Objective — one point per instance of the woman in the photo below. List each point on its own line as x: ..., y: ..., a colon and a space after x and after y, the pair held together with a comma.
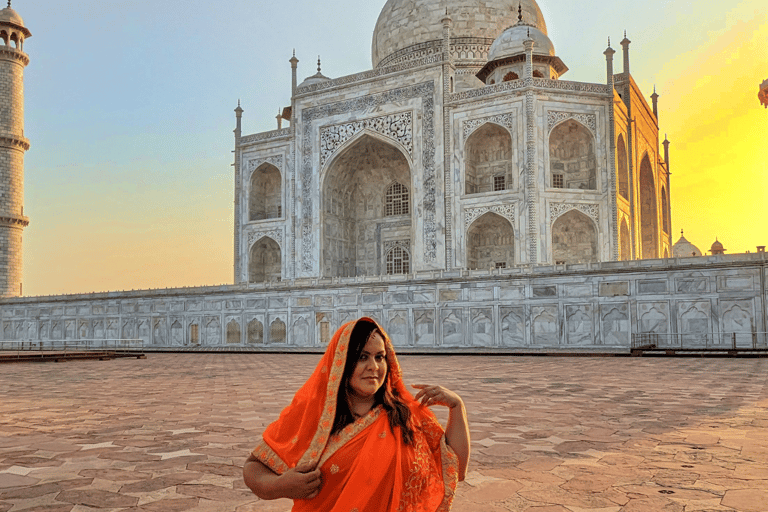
x: 355, y: 440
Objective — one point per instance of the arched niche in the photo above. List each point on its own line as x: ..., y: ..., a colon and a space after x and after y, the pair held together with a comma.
x: 365, y: 194
x: 649, y: 215
x: 625, y: 242
x: 572, y: 160
x: 574, y: 239
x: 490, y: 243
x: 622, y: 167
x: 264, y: 261
x: 664, y: 210
x: 265, y: 196
x: 488, y: 160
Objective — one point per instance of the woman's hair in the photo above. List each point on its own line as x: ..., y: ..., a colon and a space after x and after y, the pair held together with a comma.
x: 398, y: 412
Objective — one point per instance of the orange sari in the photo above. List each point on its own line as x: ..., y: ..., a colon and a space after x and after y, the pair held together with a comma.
x: 366, y: 467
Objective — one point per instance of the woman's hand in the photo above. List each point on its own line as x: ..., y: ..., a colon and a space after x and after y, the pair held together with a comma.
x: 437, y: 395
x: 300, y: 483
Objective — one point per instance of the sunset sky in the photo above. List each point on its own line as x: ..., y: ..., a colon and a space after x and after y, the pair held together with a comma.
x: 129, y: 109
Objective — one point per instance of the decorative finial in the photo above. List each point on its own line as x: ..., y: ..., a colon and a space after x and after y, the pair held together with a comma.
x: 238, y: 102
x: 294, y: 52
x: 625, y: 33
x: 9, y: 4
x: 681, y: 232
x: 520, y: 11
x: 529, y: 33
x: 446, y: 11
x: 609, y: 41
x: 318, y: 63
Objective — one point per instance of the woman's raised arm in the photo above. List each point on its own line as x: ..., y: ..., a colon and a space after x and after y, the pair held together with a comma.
x: 457, y: 430
x: 296, y: 483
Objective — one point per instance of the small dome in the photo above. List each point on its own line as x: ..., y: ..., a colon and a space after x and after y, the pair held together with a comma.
x: 684, y: 249
x: 8, y: 15
x: 510, y: 42
x: 717, y: 247
x: 314, y: 79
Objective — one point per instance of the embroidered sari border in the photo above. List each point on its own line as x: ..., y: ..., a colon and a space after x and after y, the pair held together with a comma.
x: 348, y: 433
x: 450, y: 466
x: 267, y: 456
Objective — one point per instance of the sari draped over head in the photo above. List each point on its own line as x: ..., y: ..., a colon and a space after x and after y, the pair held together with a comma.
x: 366, y: 467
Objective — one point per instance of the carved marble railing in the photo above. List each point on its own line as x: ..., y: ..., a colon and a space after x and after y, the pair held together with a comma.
x: 538, y: 83
x: 367, y: 75
x: 258, y: 137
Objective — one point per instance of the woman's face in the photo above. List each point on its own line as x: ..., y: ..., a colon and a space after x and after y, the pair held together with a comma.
x: 371, y: 369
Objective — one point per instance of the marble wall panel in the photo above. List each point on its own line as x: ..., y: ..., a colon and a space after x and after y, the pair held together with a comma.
x: 481, y: 294
x: 653, y: 317
x: 579, y: 319
x: 177, y: 332
x: 512, y: 326
x: 695, y: 322
x: 256, y: 303
x: 738, y: 320
x: 212, y: 334
x: 578, y: 290
x: 543, y: 292
x: 424, y: 327
x: 614, y: 324
x: 397, y: 327
x: 254, y: 332
x: 614, y: 289
x: 651, y: 286
x: 323, y: 327
x: 544, y: 325
x: 300, y: 332
x: 450, y: 295
x: 453, y: 327
x: 347, y: 315
x: 746, y: 282
x: 159, y: 331
x: 278, y: 328
x: 692, y: 285
x: 481, y: 327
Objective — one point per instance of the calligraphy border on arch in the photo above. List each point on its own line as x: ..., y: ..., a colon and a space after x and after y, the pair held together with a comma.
x: 505, y: 210
x: 398, y: 127
x: 425, y: 91
x: 275, y: 234
x: 506, y: 120
x: 555, y: 116
x: 255, y: 163
x: 556, y: 210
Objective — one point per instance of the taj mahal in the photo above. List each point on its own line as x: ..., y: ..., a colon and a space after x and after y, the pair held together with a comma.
x: 462, y: 192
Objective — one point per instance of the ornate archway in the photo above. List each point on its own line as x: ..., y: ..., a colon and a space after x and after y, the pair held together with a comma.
x: 488, y: 160
x: 365, y: 201
x: 572, y: 161
x: 490, y: 242
x: 649, y: 215
x: 264, y: 261
x: 574, y: 238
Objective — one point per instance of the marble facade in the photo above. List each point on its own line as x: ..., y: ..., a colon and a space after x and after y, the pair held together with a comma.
x: 596, y: 306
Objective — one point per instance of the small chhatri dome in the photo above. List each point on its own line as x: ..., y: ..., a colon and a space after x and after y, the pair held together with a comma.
x: 510, y: 42
x: 316, y: 78
x: 717, y: 248
x: 11, y: 17
x: 684, y: 249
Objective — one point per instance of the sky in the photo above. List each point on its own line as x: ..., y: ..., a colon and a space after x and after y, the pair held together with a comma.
x: 129, y: 110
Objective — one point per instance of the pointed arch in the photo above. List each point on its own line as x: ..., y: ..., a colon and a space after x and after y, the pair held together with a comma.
x: 264, y: 261
x: 368, y: 180
x: 625, y: 242
x: 277, y: 331
x: 488, y: 155
x: 255, y: 332
x: 649, y: 215
x: 574, y: 239
x: 572, y: 160
x: 490, y: 242
x: 664, y: 210
x: 265, y: 193
x: 233, y: 332
x: 622, y: 167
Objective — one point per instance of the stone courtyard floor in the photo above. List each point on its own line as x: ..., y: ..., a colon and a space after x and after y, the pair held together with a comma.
x: 549, y: 434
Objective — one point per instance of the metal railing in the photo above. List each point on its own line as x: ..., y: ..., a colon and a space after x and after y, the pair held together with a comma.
x: 743, y: 340
x: 71, y: 346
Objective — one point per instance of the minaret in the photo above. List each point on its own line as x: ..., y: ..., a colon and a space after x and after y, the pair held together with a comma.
x: 13, y: 60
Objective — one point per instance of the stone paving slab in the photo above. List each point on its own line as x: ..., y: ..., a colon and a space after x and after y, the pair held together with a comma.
x: 170, y: 433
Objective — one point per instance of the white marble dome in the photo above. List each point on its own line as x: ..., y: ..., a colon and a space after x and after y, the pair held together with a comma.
x: 404, y: 26
x: 8, y: 15
x: 685, y: 249
x: 510, y: 42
